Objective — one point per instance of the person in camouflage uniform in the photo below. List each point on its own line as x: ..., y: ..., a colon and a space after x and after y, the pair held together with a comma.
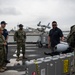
x: 71, y: 37
x: 2, y: 51
x: 71, y: 41
x: 20, y: 38
x: 5, y: 34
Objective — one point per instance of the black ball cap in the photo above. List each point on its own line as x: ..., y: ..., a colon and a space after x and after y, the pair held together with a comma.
x: 20, y: 25
x: 3, y: 22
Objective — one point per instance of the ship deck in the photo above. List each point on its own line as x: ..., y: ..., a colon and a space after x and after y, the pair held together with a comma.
x: 18, y: 68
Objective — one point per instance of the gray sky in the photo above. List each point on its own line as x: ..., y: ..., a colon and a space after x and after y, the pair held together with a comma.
x: 30, y: 12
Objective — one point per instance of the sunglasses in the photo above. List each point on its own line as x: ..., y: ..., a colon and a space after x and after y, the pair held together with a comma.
x: 54, y: 25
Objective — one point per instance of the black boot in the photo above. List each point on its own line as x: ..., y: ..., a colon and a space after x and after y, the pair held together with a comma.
x: 17, y: 58
x: 24, y: 57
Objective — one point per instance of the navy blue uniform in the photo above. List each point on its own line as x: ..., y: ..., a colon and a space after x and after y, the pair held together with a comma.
x: 55, y: 35
x: 5, y: 34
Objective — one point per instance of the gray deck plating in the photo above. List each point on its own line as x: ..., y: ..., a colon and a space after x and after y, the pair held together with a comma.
x: 18, y: 68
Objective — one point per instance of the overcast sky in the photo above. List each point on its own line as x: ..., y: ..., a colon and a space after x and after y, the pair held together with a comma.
x: 30, y: 12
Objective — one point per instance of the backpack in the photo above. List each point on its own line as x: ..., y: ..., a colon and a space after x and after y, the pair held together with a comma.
x: 71, y: 37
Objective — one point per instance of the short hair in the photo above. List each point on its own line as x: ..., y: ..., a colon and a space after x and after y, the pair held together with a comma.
x: 54, y: 22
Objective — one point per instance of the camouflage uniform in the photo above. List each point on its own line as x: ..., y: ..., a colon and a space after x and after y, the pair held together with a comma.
x: 71, y: 37
x: 2, y: 51
x: 71, y: 41
x: 20, y: 38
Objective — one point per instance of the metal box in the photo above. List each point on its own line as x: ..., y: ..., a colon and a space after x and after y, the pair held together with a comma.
x: 36, y: 67
x: 66, y: 61
x: 62, y: 64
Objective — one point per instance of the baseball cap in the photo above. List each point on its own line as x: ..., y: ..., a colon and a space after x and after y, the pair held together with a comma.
x: 3, y: 22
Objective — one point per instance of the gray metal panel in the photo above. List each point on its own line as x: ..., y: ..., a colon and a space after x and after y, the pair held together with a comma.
x: 30, y: 69
x: 40, y: 68
x: 72, y: 65
x: 51, y: 68
x: 66, y: 65
x: 43, y: 68
x: 57, y: 67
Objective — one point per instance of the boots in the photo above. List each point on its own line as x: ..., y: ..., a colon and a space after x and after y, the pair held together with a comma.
x: 24, y: 57
x: 1, y: 69
x: 5, y: 68
x: 17, y: 58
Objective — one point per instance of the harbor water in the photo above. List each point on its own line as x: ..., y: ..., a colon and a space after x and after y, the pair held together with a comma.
x: 31, y: 38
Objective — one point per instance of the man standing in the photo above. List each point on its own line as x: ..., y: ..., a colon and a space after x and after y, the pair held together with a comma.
x: 5, y: 34
x: 20, y: 38
x: 55, y: 34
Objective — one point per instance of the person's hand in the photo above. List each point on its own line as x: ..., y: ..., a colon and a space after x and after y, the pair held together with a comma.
x: 48, y: 45
x: 62, y: 39
x: 5, y: 43
x: 5, y: 40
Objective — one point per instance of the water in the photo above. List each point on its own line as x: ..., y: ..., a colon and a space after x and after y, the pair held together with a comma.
x: 32, y: 38
x: 65, y: 34
x: 28, y: 38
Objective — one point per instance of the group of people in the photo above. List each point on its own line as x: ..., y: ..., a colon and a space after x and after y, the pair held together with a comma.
x: 19, y: 37
x: 55, y: 35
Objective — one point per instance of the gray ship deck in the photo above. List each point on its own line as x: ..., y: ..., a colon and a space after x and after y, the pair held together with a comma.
x: 32, y: 52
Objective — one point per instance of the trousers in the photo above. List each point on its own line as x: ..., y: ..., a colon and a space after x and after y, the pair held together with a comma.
x: 19, y: 47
